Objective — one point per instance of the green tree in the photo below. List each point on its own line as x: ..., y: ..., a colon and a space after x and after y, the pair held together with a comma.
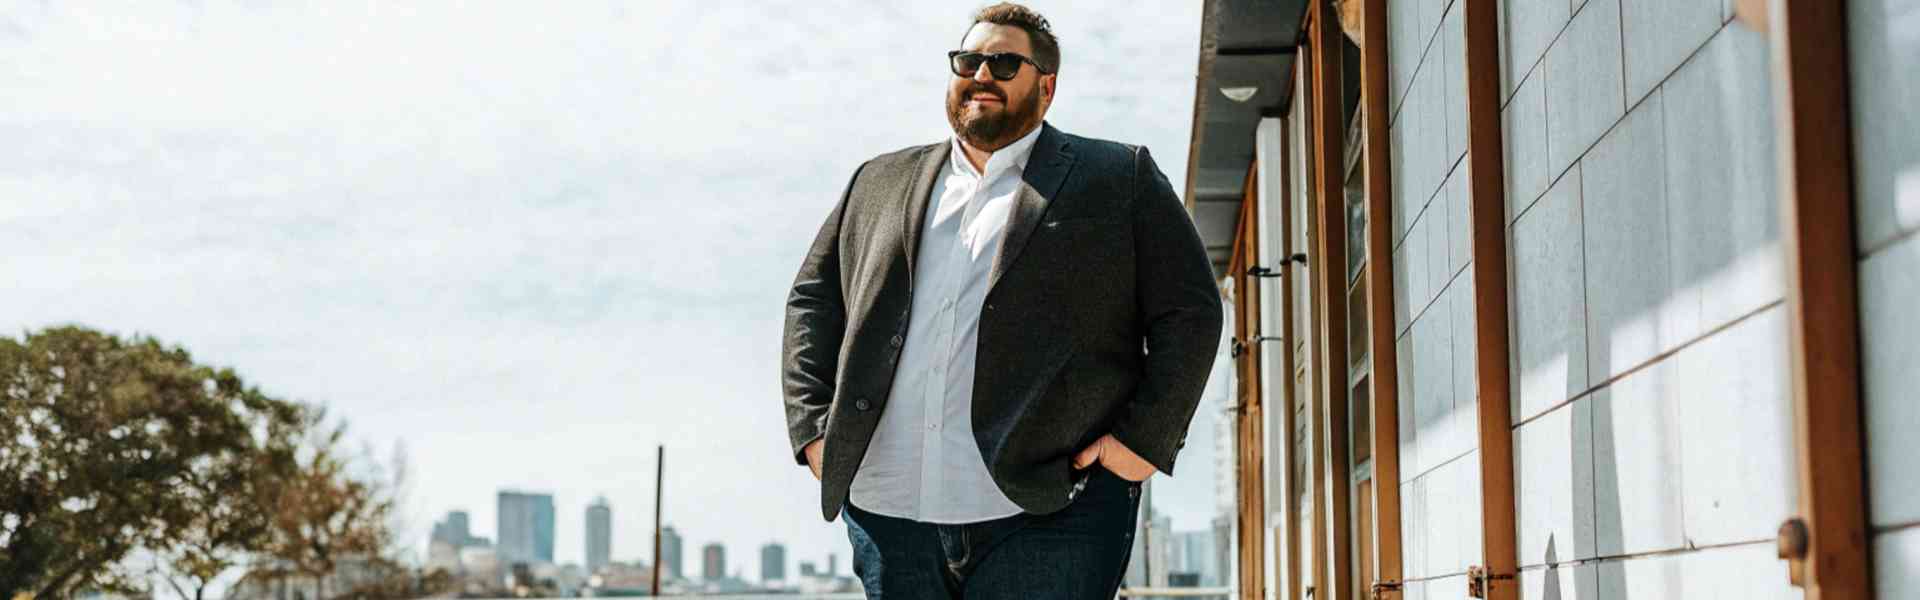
x: 328, y: 515
x: 104, y: 441
x: 230, y: 516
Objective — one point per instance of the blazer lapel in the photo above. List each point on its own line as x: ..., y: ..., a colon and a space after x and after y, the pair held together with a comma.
x: 917, y: 199
x: 1047, y: 168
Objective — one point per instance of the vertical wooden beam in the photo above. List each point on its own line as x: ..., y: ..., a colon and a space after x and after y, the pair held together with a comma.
x: 1242, y: 257
x: 1316, y: 331
x: 1253, y: 487
x: 1330, y: 268
x: 1381, y: 330
x: 1809, y: 40
x: 1488, y: 206
x: 1290, y: 510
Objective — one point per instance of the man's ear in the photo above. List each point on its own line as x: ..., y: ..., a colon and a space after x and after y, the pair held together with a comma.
x: 1047, y: 86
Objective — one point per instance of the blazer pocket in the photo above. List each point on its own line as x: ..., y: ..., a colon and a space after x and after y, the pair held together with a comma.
x: 1079, y: 222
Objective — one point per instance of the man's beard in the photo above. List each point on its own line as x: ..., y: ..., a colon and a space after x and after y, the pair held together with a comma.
x: 991, y: 130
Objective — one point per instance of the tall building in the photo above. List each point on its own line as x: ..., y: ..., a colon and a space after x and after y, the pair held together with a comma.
x: 713, y: 562
x: 599, y: 535
x: 1194, y: 553
x: 670, y: 552
x: 453, y: 530
x: 1153, y: 551
x: 773, y: 562
x: 833, y: 565
x: 525, y: 527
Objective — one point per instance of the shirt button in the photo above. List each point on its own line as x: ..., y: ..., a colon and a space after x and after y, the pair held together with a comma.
x: 933, y: 426
x: 861, y: 404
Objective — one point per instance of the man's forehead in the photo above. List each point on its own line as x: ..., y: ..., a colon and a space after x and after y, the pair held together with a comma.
x: 992, y: 37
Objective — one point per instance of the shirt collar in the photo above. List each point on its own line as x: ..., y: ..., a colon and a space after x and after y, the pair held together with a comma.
x: 1014, y: 155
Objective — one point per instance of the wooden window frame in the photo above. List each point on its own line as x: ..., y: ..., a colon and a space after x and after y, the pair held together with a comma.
x: 1388, y: 568
x: 1827, y: 545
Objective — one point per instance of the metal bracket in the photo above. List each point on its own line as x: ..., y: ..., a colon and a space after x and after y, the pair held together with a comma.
x: 1479, y: 580
x: 1792, y: 547
x: 1383, y: 586
x: 1259, y: 271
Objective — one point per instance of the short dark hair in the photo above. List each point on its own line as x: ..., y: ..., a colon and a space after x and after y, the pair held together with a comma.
x: 1046, y: 47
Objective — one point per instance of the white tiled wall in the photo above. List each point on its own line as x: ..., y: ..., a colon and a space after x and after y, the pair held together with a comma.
x: 1637, y: 478
x: 1624, y: 211
x: 1659, y: 34
x: 1553, y: 483
x: 1884, y: 45
x: 1890, y: 326
x: 1648, y: 338
x: 1549, y: 340
x: 1736, y: 428
x: 1440, y: 495
x: 1583, y: 76
x: 1896, y: 564
x: 1885, y: 51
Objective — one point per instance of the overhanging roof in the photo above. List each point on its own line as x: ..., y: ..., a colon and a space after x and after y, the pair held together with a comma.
x: 1243, y: 44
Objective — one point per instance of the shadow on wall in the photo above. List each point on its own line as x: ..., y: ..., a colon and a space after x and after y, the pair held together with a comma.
x: 1654, y: 271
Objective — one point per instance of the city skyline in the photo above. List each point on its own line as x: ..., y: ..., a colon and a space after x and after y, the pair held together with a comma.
x: 455, y: 528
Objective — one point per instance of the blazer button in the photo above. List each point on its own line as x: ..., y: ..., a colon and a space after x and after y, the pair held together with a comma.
x: 897, y: 341
x: 861, y: 404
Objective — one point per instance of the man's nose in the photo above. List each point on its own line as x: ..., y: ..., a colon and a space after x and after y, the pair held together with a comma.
x: 983, y: 74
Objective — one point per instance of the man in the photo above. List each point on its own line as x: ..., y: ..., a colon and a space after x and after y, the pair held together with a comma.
x: 994, y: 339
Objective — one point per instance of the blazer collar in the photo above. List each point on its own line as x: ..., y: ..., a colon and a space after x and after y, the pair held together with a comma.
x: 1047, y: 167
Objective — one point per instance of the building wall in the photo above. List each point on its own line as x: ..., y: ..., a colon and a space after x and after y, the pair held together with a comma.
x: 1652, y: 424
x: 1885, y: 52
x: 1433, y: 298
x: 1651, y: 415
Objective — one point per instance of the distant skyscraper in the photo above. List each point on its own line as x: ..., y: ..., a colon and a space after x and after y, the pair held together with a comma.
x: 525, y: 527
x: 833, y: 565
x: 1152, y: 556
x: 599, y: 535
x: 1195, y: 554
x: 713, y: 562
x: 1225, y: 568
x: 670, y: 552
x: 806, y: 569
x: 773, y: 562
x: 453, y: 530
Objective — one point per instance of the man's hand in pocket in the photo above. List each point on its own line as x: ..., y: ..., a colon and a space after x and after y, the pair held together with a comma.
x: 814, y: 450
x: 1116, y: 457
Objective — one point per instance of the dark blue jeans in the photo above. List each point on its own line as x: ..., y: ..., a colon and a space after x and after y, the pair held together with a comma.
x: 1078, y: 552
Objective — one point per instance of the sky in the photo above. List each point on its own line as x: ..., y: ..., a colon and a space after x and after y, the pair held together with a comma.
x: 529, y: 241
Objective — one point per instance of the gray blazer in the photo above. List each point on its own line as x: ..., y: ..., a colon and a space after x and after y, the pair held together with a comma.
x: 1101, y: 316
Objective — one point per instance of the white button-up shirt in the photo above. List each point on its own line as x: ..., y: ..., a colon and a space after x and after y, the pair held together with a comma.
x: 923, y: 463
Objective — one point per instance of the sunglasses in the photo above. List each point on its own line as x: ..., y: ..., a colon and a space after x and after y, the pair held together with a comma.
x: 1003, y: 65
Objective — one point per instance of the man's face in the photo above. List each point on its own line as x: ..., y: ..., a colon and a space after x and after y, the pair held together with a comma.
x: 987, y: 113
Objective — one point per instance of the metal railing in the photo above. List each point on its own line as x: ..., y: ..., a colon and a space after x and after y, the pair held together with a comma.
x: 1194, y: 592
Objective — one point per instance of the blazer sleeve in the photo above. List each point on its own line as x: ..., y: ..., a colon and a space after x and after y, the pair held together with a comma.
x: 815, y: 324
x: 1180, y: 314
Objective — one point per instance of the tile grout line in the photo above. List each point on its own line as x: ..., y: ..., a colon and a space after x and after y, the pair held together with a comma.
x: 1655, y: 359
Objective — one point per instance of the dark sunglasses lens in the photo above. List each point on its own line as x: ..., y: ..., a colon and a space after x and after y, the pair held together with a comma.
x: 1005, y: 66
x: 966, y: 64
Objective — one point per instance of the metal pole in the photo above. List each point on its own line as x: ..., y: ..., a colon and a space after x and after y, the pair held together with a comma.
x: 659, y: 468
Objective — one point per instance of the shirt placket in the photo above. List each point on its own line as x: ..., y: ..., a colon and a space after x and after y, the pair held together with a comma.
x: 932, y: 476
